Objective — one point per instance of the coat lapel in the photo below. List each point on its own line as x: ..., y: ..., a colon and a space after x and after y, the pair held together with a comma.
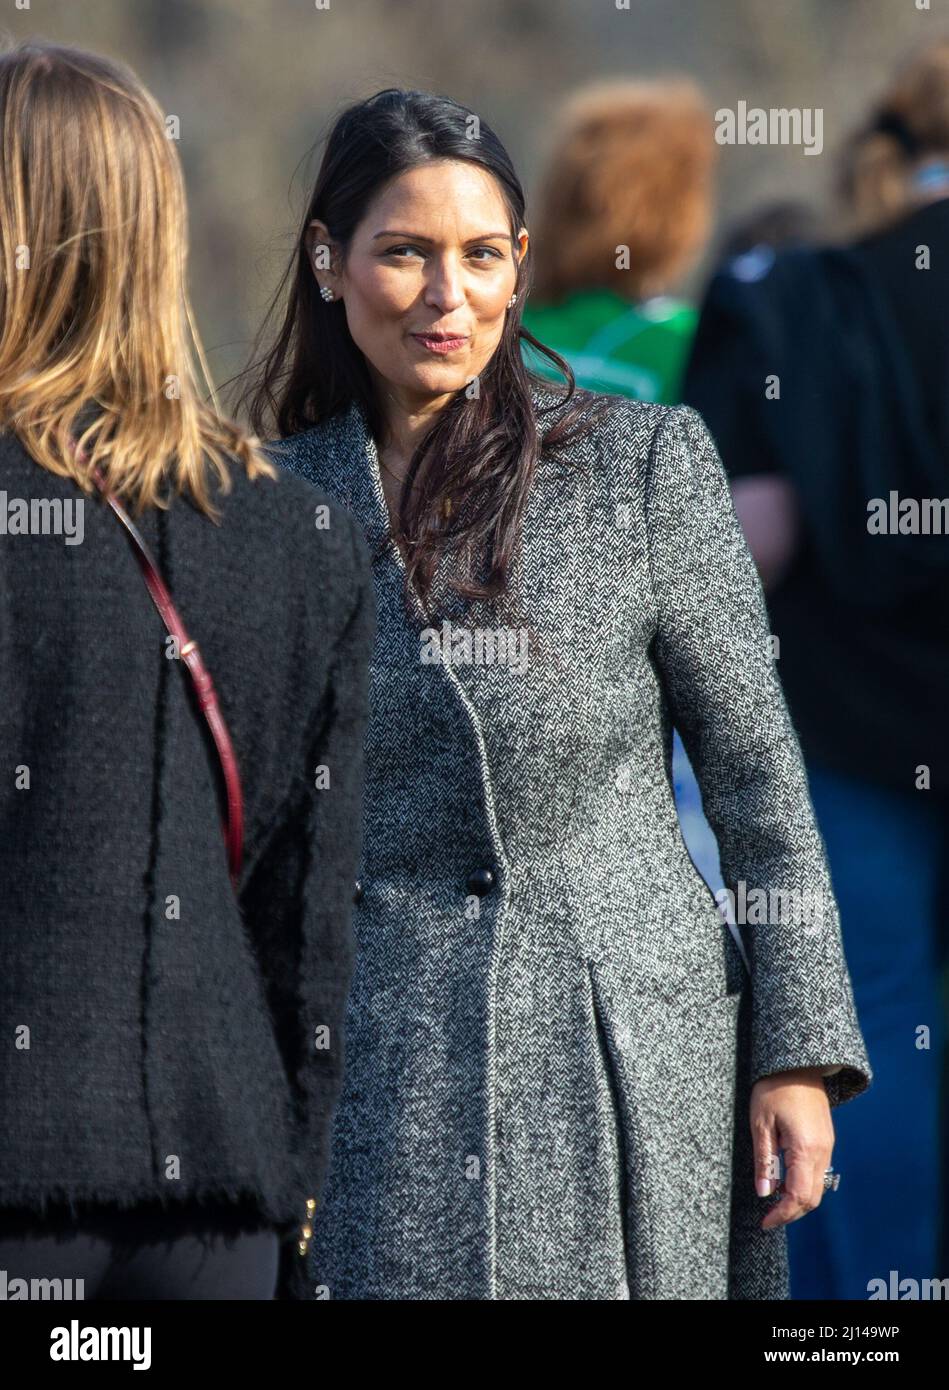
x: 340, y: 457
x: 362, y: 481
x: 351, y: 472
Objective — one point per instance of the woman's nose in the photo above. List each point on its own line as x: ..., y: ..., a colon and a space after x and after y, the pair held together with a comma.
x: 445, y: 287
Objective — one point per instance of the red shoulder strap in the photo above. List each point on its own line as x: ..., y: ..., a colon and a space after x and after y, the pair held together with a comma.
x: 203, y: 685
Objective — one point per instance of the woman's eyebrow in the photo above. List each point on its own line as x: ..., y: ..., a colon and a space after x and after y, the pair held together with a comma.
x: 415, y: 236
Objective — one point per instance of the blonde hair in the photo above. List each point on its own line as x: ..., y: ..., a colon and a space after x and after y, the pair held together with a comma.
x: 94, y: 308
x: 632, y: 166
x: 875, y: 166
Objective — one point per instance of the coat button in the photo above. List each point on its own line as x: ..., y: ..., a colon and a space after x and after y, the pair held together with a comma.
x: 481, y: 881
x: 357, y: 892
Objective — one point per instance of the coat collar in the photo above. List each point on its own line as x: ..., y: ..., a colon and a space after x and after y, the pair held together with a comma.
x: 365, y: 476
x: 340, y: 455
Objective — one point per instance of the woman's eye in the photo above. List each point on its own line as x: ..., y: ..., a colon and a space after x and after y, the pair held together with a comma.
x: 491, y: 252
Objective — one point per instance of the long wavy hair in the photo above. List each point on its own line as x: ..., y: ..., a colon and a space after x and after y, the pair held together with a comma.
x: 484, y: 447
x: 96, y: 327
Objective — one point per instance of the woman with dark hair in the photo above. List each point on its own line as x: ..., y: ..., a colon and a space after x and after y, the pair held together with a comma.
x: 170, y: 1003
x: 554, y: 1066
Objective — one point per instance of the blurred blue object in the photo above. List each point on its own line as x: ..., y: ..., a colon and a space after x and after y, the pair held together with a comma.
x: 886, y: 851
x: 696, y: 831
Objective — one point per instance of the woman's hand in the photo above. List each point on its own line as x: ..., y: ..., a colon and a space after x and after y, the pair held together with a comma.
x: 790, y: 1111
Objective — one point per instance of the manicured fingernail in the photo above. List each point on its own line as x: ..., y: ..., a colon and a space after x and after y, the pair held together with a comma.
x: 763, y: 1187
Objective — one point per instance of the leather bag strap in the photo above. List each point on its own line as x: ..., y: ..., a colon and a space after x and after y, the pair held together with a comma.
x: 204, y: 690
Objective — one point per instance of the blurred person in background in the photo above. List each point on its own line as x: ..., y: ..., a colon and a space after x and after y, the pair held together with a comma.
x: 623, y: 213
x: 165, y: 1115
x: 822, y: 375
x: 769, y: 228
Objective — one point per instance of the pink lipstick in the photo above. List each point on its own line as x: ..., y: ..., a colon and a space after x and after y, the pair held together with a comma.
x: 439, y: 342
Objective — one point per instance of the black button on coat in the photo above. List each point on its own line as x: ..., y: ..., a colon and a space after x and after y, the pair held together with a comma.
x: 481, y: 881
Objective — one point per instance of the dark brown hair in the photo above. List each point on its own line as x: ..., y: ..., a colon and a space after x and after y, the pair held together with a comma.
x: 485, y: 446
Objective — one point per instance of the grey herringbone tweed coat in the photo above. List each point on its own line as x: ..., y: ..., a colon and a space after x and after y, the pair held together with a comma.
x: 547, y: 1076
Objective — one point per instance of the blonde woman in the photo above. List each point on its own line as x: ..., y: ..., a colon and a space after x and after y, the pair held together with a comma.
x: 170, y: 1003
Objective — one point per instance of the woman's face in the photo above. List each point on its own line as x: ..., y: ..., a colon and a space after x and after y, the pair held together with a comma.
x: 433, y: 255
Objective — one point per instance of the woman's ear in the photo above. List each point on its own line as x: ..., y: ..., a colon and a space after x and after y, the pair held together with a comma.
x: 320, y: 253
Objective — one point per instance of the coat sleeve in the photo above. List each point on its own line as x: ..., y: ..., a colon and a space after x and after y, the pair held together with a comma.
x: 303, y: 894
x: 713, y: 655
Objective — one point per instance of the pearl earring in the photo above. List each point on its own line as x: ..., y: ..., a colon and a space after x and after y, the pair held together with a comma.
x: 512, y: 301
x: 326, y: 292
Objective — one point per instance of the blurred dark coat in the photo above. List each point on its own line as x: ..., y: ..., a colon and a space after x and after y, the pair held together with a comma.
x: 807, y: 364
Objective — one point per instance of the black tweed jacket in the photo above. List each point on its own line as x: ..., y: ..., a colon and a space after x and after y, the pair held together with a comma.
x: 162, y: 1043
